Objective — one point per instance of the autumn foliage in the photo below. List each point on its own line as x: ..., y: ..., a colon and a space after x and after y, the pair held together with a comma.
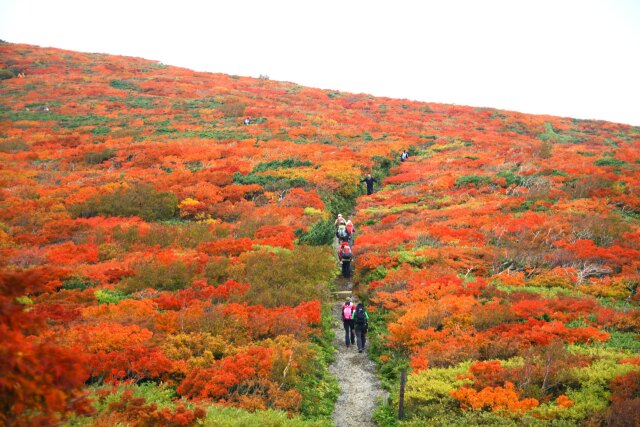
x: 150, y: 242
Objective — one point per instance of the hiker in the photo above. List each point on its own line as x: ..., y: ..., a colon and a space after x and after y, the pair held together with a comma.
x: 345, y: 255
x: 404, y: 156
x: 341, y: 229
x: 347, y: 311
x: 361, y: 324
x: 351, y: 230
x: 247, y: 121
x: 369, y: 180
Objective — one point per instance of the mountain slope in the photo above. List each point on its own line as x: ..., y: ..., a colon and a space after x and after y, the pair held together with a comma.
x: 153, y: 242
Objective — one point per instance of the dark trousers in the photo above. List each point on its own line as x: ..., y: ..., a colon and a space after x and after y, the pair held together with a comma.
x: 361, y: 334
x: 346, y: 268
x: 349, y: 335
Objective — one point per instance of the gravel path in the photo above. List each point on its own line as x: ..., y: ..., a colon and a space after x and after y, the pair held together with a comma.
x: 359, y: 387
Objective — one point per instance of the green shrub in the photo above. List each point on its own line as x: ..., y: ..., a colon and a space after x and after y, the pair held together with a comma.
x: 220, y: 134
x: 510, y: 177
x: 286, y: 277
x: 232, y: 108
x: 550, y: 135
x: 77, y: 282
x: 432, y: 387
x: 382, y: 166
x: 623, y: 341
x: 107, y: 296
x: 141, y: 102
x: 472, y: 180
x: 105, y: 401
x: 101, y: 130
x: 220, y: 416
x: 385, y: 415
x: 140, y: 200
x: 287, y: 163
x: 194, y: 166
x: 152, y: 274
x: 319, y: 389
x: 130, y: 85
x: 610, y: 161
x: 97, y: 157
x: 76, y: 121
x: 215, y: 271
x: 13, y: 146
x: 6, y: 74
x: 321, y: 233
x: 269, y: 182
x: 184, y: 234
x: 549, y: 279
x: 337, y: 203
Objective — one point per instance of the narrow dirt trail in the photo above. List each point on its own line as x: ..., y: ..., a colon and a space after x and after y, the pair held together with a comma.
x: 359, y: 387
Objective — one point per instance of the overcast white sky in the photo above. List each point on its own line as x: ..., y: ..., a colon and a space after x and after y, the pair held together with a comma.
x: 576, y: 58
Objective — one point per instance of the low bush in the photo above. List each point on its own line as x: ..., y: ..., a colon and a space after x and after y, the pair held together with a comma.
x: 475, y: 180
x: 152, y: 274
x: 286, y: 277
x: 141, y: 200
x: 97, y: 157
x: 321, y: 233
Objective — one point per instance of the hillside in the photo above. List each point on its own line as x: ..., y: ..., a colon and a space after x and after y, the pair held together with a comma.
x: 165, y: 263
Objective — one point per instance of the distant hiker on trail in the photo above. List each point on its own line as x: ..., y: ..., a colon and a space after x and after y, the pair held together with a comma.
x: 369, y: 180
x: 341, y: 229
x: 404, y: 156
x: 361, y: 323
x: 345, y: 255
x: 246, y: 121
x: 348, y: 308
x: 351, y: 230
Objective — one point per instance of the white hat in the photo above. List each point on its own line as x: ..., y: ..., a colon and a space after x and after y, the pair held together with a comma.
x: 340, y: 215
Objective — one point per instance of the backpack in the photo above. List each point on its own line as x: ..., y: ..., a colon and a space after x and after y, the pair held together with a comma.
x: 342, y: 231
x: 347, y: 310
x: 346, y: 253
x: 361, y: 316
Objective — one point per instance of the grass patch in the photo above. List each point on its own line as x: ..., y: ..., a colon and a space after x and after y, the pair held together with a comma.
x: 125, y: 84
x: 475, y: 180
x: 281, y: 164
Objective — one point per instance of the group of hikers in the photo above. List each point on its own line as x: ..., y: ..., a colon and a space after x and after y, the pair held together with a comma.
x: 354, y: 317
x: 355, y: 320
x: 345, y: 230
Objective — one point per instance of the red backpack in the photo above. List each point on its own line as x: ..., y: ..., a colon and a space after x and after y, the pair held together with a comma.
x: 346, y: 252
